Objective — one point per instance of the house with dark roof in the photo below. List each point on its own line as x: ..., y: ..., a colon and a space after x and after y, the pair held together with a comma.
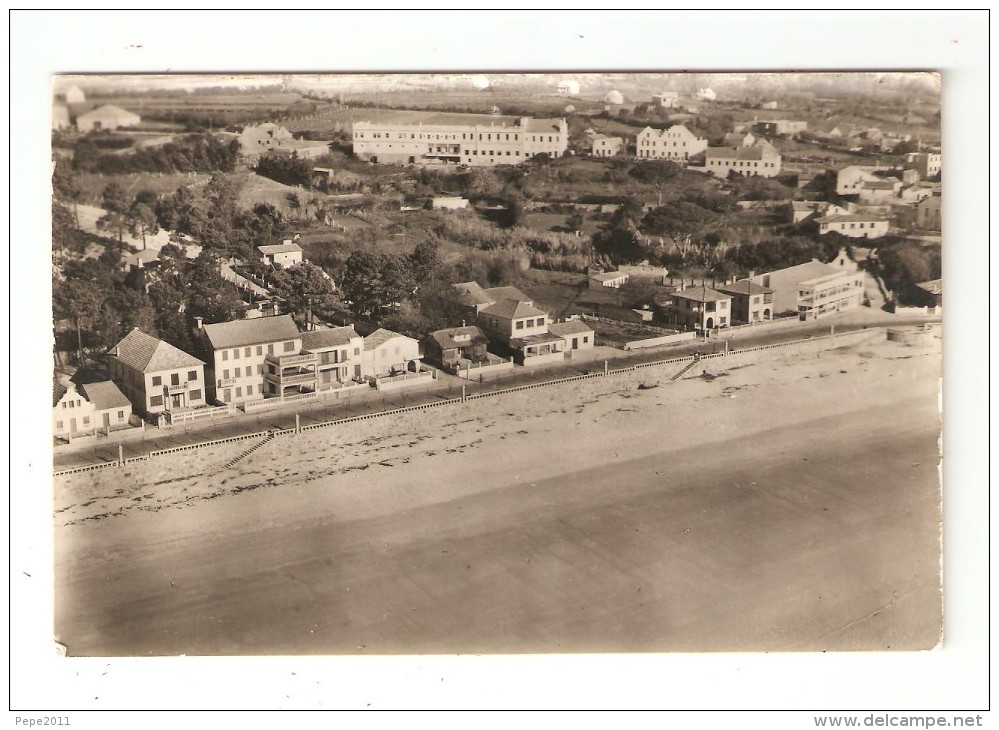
x: 72, y: 413
x: 111, y: 407
x: 155, y: 376
x: 454, y: 348
x: 751, y: 302
x: 339, y: 352
x: 700, y: 308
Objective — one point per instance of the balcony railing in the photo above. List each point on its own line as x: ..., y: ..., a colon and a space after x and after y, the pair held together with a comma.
x: 293, y: 379
x: 286, y: 361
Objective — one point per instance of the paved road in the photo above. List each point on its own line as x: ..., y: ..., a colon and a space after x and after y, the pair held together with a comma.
x: 101, y: 450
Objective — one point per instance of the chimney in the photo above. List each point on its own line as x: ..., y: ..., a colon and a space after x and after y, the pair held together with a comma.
x: 198, y: 322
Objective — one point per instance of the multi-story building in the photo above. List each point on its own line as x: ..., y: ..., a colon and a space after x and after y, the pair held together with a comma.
x: 854, y: 225
x: 602, y: 146
x: 750, y: 302
x: 781, y: 127
x: 815, y: 288
x: 927, y: 164
x: 72, y: 413
x: 478, y: 140
x: 448, y: 348
x: 339, y: 352
x: 758, y: 159
x: 676, y: 143
x: 252, y: 359
x: 700, y: 308
x: 928, y: 214
x: 155, y: 376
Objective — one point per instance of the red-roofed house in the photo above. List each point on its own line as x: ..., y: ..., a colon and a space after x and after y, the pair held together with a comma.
x: 154, y: 375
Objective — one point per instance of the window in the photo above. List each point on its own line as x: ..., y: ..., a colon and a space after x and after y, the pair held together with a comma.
x: 64, y: 405
x: 225, y: 354
x: 586, y: 338
x: 520, y: 324
x: 157, y: 381
x: 72, y: 404
x: 192, y: 374
x: 270, y: 349
x: 357, y: 351
x: 225, y: 374
x: 86, y: 420
x: 260, y: 369
x: 289, y: 346
x: 121, y: 415
x: 60, y: 426
x: 249, y: 390
x: 235, y: 354
x: 156, y: 400
x: 238, y: 373
x: 247, y: 352
x: 239, y: 392
x: 175, y: 379
x: 260, y: 349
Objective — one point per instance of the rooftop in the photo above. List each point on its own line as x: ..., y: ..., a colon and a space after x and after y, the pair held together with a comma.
x: 497, y: 293
x: 608, y: 275
x: 701, y: 294
x: 470, y: 293
x: 744, y: 287
x: 279, y: 248
x: 149, y: 354
x: 513, y: 309
x: 334, y: 337
x: 379, y: 337
x: 850, y: 218
x: 934, y: 286
x: 257, y: 331
x: 572, y: 327
x: 458, y: 337
x: 105, y: 395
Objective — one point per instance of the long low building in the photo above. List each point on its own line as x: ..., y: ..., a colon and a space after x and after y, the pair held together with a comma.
x: 477, y: 140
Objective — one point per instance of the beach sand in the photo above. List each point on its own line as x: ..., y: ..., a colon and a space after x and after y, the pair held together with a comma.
x: 786, y: 504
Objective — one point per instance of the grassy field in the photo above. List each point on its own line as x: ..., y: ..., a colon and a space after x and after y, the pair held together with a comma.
x: 93, y: 184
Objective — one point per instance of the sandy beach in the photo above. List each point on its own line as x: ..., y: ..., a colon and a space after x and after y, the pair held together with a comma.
x: 789, y: 504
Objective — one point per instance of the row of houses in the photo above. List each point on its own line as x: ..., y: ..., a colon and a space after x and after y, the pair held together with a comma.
x: 742, y: 153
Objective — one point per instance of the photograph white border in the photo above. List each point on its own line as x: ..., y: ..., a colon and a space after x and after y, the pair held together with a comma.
x: 44, y: 43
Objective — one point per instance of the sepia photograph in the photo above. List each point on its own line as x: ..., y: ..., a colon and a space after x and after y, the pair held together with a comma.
x: 509, y: 363
x: 465, y: 360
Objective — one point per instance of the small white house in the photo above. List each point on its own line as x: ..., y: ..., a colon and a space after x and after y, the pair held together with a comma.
x: 285, y: 254
x: 609, y: 279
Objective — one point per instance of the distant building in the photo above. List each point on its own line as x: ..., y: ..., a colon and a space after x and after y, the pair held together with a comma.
x: 60, y: 117
x: 442, y: 202
x: 739, y: 139
x: 850, y: 179
x: 706, y: 95
x: 928, y: 214
x: 880, y: 191
x: 667, y: 100
x: 700, y: 308
x: 854, y: 225
x: 602, y: 146
x: 613, y: 97
x: 927, y: 164
x: 107, y: 117
x: 607, y: 279
x: 255, y: 139
x: 781, y: 127
x: 568, y: 87
x: 769, y: 105
x: 155, y: 376
x: 477, y: 140
x: 802, y: 210
x: 644, y: 271
x: 74, y: 95
x: 760, y: 159
x: 285, y: 254
x: 750, y: 302
x: 676, y: 143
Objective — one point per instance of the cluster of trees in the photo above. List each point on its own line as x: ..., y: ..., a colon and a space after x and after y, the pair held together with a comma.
x: 905, y: 264
x: 286, y: 170
x: 191, y: 153
x: 546, y: 249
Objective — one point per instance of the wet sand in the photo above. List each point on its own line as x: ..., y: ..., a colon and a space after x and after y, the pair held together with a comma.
x: 800, y: 514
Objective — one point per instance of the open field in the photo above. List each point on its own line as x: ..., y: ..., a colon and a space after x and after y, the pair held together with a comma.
x: 695, y: 516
